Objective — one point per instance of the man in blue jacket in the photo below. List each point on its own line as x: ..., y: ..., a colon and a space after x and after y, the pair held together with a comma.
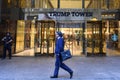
x: 59, y: 47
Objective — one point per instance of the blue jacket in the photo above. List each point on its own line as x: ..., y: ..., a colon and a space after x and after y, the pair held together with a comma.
x: 59, y: 46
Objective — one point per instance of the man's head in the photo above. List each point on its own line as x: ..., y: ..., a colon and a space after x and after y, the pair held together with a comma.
x: 8, y: 33
x: 58, y: 33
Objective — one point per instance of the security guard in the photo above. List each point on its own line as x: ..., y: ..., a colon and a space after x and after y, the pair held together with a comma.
x: 59, y: 47
x: 7, y: 45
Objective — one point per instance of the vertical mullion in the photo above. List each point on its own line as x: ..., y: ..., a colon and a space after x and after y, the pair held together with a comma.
x: 58, y: 5
x: 83, y: 4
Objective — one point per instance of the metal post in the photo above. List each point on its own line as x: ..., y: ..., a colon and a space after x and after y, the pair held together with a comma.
x: 83, y: 38
x: 108, y: 3
x: 83, y: 4
x: 101, y: 39
x: 33, y: 3
x: 58, y: 6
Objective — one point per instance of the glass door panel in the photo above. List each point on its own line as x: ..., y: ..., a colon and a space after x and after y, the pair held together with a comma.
x: 95, y: 39
x: 113, y: 37
x: 73, y: 35
x: 45, y: 37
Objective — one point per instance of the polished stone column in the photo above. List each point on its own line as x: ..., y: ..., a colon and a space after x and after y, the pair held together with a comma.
x: 118, y: 34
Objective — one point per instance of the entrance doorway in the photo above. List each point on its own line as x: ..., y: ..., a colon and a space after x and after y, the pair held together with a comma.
x: 45, y: 37
x: 95, y: 38
x: 74, y: 37
x: 112, y: 37
x: 73, y: 34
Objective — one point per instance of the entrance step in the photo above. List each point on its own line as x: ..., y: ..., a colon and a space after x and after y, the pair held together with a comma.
x: 96, y: 54
x: 44, y: 54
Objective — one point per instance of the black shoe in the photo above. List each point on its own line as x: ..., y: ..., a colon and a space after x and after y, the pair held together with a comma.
x: 53, y: 77
x: 71, y: 75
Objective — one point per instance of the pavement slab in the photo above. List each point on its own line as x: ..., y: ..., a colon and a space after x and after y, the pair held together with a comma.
x: 41, y: 68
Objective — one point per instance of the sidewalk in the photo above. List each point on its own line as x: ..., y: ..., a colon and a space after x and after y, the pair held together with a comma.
x: 41, y: 68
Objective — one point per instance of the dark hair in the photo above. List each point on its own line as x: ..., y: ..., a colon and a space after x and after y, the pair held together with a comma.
x: 8, y: 33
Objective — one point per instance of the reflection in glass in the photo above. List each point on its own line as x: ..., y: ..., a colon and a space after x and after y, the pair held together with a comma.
x: 73, y: 35
x: 45, y: 37
x: 113, y: 47
x: 20, y: 36
x: 95, y: 38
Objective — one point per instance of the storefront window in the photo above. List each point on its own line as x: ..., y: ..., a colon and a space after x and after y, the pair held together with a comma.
x: 114, y: 4
x: 28, y: 3
x: 23, y: 3
x: 14, y: 3
x: 34, y: 3
x: 54, y: 3
x: 38, y: 3
x: 102, y: 4
x: 70, y: 3
x: 95, y: 4
x: 25, y: 36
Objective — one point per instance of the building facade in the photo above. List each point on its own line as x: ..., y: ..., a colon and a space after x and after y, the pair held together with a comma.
x: 90, y: 27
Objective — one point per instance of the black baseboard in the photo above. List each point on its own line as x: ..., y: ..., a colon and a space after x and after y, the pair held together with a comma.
x: 96, y: 54
x: 44, y: 54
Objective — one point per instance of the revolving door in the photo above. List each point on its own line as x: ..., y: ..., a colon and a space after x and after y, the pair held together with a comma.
x: 45, y: 37
x: 95, y: 38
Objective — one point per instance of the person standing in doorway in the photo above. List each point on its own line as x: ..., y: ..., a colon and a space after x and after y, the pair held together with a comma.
x: 59, y: 47
x: 7, y: 45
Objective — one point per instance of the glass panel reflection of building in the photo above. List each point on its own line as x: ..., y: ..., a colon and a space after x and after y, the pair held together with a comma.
x: 98, y: 4
x: 73, y: 35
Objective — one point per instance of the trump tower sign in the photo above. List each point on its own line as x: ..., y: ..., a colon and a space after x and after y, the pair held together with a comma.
x: 63, y: 14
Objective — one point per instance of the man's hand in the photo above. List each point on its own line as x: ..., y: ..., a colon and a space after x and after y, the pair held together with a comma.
x: 57, y: 54
x: 9, y: 42
x: 3, y: 38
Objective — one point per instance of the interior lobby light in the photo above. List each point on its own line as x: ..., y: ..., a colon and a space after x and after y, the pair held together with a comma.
x: 9, y: 1
x: 94, y: 19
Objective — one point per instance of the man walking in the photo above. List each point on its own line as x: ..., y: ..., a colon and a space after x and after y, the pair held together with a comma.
x: 59, y: 47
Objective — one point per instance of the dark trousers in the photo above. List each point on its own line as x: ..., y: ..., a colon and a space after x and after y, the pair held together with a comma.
x: 59, y: 64
x: 7, y: 48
